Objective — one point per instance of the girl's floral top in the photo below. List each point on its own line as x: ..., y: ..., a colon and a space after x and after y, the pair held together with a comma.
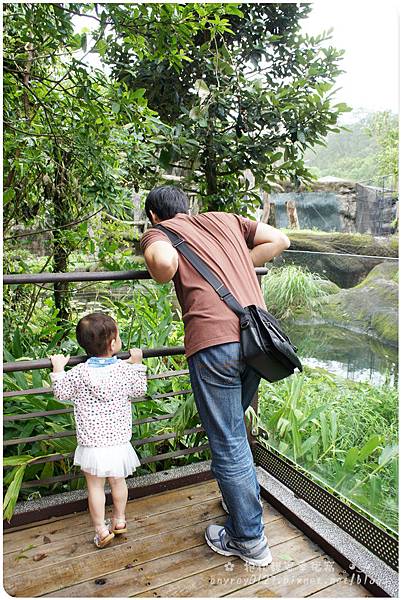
x: 101, y: 396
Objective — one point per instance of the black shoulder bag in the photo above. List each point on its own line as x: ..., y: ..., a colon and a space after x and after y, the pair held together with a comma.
x: 265, y: 347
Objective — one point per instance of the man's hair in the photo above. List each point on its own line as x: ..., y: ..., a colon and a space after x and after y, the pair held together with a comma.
x: 95, y: 332
x: 166, y: 201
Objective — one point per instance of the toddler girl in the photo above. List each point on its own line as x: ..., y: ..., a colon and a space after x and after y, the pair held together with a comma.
x: 100, y: 389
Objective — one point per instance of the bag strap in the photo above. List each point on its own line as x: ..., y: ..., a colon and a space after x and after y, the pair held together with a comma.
x: 199, y: 265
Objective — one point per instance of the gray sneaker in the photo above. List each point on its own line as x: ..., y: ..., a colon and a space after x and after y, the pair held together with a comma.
x: 218, y: 540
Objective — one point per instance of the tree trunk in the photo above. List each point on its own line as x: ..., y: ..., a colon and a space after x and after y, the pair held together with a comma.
x: 272, y: 215
x: 211, y: 178
x: 211, y: 167
x: 292, y: 214
x: 266, y: 207
x: 269, y: 210
x: 61, y: 251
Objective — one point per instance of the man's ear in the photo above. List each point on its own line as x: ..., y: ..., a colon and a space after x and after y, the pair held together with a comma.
x: 154, y: 218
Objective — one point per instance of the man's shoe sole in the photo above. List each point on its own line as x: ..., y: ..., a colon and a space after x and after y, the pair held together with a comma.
x: 251, y: 561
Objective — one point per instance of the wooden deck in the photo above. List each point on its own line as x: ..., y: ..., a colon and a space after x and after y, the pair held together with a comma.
x: 164, y: 555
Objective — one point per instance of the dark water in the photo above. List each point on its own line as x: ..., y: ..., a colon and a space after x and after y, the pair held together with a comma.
x: 352, y: 355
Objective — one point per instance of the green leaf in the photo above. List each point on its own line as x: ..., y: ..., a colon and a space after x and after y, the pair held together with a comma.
x: 21, y: 459
x: 84, y: 41
x: 309, y: 443
x: 17, y: 347
x: 388, y: 453
x: 12, y: 493
x: 115, y: 107
x: 101, y: 47
x: 8, y: 195
x: 138, y: 93
x: 370, y: 446
x: 195, y: 113
x: 201, y: 87
x: 351, y: 459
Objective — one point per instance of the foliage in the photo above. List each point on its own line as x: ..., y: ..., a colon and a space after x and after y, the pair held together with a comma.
x: 383, y: 128
x: 289, y: 289
x: 343, y: 432
x: 366, y: 151
x: 145, y: 316
x: 253, y: 93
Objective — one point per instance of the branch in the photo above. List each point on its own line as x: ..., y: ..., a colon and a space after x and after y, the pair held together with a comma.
x: 14, y: 237
x: 30, y: 134
x: 27, y: 71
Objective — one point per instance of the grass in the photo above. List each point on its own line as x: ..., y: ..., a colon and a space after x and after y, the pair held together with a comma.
x: 290, y: 289
x: 343, y: 432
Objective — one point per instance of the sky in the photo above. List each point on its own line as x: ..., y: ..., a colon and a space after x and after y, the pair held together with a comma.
x: 368, y: 31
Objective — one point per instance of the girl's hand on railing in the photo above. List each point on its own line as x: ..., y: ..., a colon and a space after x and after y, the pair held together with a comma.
x: 59, y: 361
x: 136, y: 356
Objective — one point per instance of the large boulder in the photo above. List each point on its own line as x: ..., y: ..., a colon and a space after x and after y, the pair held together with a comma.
x: 370, y: 307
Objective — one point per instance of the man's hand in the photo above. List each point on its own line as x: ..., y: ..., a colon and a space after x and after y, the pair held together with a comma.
x: 59, y: 361
x: 268, y: 243
x: 162, y: 261
x: 136, y: 356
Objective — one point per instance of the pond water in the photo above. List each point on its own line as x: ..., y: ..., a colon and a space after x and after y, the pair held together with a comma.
x: 352, y: 355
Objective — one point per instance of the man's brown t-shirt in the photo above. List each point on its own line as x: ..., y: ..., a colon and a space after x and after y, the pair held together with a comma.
x: 222, y: 240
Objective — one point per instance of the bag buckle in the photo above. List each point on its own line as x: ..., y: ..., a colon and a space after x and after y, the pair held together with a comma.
x: 244, y: 324
x: 178, y: 243
x: 222, y: 296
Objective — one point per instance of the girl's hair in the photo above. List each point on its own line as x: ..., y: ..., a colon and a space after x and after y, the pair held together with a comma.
x: 95, y: 332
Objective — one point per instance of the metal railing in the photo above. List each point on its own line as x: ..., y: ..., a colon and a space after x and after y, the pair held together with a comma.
x: 28, y: 365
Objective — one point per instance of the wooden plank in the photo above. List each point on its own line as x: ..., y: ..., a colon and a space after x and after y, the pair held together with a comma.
x: 297, y: 582
x: 141, y: 578
x: 139, y: 527
x: 343, y: 589
x: 233, y: 574
x: 98, y: 564
x: 149, y: 505
x: 81, y: 544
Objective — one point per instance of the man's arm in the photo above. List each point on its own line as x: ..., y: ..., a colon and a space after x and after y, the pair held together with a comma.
x: 268, y: 243
x: 162, y: 261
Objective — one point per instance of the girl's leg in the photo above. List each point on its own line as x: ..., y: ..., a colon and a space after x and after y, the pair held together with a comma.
x: 96, y: 501
x: 119, y: 492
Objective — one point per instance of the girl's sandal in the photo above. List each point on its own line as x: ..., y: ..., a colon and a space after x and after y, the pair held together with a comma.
x: 101, y: 542
x: 117, y: 521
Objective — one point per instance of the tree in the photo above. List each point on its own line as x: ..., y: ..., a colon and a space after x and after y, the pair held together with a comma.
x: 383, y: 128
x: 252, y: 95
x: 66, y: 128
x: 366, y: 151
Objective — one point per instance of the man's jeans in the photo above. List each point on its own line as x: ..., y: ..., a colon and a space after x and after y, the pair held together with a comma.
x: 223, y: 387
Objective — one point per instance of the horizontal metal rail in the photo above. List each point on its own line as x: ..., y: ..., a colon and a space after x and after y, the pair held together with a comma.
x: 64, y: 411
x: 71, y: 433
x: 144, y: 461
x: 60, y: 457
x: 77, y: 276
x: 135, y: 422
x: 49, y: 390
x: 45, y: 363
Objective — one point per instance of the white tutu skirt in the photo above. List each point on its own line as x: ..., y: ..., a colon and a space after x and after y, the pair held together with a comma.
x: 107, y: 461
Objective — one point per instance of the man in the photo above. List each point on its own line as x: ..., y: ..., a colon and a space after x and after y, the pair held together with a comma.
x: 222, y: 383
